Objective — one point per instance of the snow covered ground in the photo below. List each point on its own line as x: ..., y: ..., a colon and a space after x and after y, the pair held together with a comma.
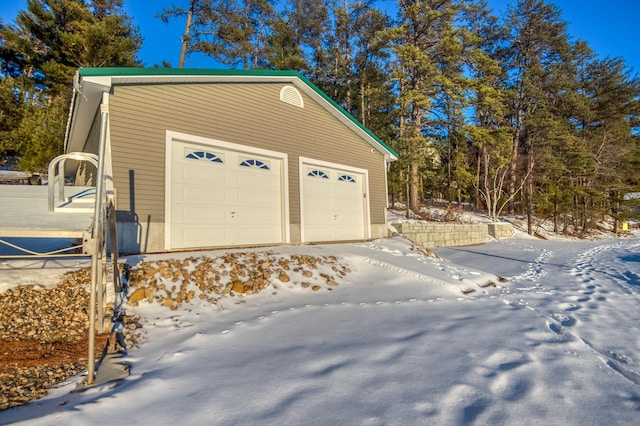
x: 397, y: 342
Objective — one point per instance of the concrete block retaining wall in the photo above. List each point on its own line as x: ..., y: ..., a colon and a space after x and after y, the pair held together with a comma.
x: 500, y: 230
x: 452, y: 234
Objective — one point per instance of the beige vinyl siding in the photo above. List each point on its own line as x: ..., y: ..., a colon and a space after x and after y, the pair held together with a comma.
x: 249, y: 114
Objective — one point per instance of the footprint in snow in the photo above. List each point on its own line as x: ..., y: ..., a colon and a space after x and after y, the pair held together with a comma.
x: 554, y: 327
x: 564, y: 320
x: 569, y: 307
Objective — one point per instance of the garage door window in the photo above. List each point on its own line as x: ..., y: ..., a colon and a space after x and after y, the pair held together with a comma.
x: 255, y: 164
x: 318, y: 174
x: 347, y: 178
x: 203, y: 155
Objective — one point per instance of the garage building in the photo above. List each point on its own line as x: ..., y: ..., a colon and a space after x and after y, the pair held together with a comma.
x: 220, y: 158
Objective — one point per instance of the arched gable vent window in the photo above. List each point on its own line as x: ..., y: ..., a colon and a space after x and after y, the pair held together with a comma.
x: 290, y: 95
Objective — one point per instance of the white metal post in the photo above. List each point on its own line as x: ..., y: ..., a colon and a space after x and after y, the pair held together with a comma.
x: 97, y: 244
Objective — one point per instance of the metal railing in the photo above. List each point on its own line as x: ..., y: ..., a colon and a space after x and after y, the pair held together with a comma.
x: 58, y: 165
x: 94, y: 239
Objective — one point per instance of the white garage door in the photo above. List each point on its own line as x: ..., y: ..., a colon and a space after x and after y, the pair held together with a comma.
x: 222, y: 197
x: 333, y: 204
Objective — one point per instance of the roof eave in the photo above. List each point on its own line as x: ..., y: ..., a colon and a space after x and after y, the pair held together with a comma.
x: 87, y: 97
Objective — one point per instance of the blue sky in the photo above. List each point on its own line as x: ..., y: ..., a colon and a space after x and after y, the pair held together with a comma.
x: 610, y: 30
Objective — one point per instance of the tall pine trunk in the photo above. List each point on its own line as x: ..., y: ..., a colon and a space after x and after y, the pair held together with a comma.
x: 187, y: 34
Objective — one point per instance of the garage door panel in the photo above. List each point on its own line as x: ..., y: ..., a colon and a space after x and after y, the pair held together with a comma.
x: 201, y: 195
x: 344, y: 192
x: 262, y: 216
x: 223, y: 202
x: 257, y: 199
x: 266, y: 179
x: 257, y: 235
x: 201, y: 236
x: 230, y: 180
x: 347, y: 232
x: 213, y: 196
x: 317, y: 185
x: 318, y: 217
x: 350, y: 206
x: 316, y: 233
x: 319, y: 204
x: 185, y: 215
x: 204, y: 215
x: 201, y: 174
x: 333, y: 204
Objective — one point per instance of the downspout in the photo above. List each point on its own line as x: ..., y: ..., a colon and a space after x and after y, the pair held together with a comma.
x: 76, y: 83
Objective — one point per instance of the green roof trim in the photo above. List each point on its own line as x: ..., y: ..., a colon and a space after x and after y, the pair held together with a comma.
x: 151, y: 72
x: 141, y: 72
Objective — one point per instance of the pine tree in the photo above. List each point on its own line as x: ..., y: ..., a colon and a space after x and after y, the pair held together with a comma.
x: 233, y: 32
x: 40, y: 134
x: 52, y: 38
x: 39, y: 54
x: 489, y: 132
x: 426, y: 46
x: 608, y: 133
x: 538, y: 46
x: 193, y: 16
x: 283, y: 47
x: 10, y: 114
x: 351, y: 68
x: 372, y: 98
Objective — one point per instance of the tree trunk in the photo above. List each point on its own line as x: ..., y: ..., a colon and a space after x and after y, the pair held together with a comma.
x: 186, y: 37
x: 514, y: 164
x: 362, y: 104
x: 414, y: 187
x: 529, y: 199
x: 408, y: 200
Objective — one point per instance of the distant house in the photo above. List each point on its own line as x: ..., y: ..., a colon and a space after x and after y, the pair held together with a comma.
x: 220, y: 158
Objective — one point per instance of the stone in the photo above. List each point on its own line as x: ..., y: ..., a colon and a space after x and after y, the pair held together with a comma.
x: 238, y: 287
x: 137, y: 295
x: 283, y: 277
